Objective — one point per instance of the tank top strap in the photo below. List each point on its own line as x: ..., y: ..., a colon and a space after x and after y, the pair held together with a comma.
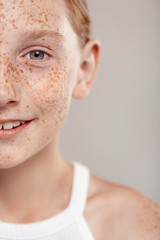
x: 80, y: 185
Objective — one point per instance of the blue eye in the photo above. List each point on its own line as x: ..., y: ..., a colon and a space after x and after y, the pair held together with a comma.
x: 37, y: 55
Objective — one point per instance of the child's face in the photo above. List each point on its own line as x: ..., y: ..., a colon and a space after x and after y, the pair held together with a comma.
x: 35, y: 85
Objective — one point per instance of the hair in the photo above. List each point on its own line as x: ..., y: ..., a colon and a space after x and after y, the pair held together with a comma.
x: 80, y: 19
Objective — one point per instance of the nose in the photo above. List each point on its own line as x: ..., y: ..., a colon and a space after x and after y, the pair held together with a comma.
x: 8, y: 91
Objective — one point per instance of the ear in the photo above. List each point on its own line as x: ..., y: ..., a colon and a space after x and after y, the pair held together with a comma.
x: 87, y: 69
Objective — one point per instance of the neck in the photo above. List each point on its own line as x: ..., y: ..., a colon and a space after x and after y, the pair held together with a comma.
x: 30, y: 187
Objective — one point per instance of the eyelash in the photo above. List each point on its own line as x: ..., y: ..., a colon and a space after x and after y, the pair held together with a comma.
x: 37, y: 51
x: 26, y: 55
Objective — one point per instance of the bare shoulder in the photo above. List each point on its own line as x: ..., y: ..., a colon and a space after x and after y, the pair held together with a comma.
x: 118, y: 212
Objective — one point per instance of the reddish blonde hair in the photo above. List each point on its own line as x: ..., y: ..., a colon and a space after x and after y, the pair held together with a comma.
x: 79, y: 18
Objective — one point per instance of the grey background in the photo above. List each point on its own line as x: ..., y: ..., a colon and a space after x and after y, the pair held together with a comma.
x: 116, y: 129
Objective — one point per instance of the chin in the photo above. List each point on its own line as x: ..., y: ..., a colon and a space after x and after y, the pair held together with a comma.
x: 9, y: 161
x: 7, y: 164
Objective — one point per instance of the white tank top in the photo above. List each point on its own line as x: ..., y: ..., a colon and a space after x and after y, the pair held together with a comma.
x: 70, y: 224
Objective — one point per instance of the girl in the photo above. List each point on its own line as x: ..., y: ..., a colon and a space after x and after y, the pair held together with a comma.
x: 46, y: 58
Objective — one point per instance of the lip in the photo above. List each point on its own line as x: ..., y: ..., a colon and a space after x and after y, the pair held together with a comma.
x: 8, y: 133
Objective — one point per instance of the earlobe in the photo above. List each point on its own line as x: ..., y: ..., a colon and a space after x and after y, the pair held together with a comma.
x: 81, y: 90
x: 87, y: 70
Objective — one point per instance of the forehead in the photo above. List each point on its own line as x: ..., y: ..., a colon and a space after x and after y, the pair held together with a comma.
x: 33, y: 14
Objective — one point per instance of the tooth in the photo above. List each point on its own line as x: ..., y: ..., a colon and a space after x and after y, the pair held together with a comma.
x: 16, y: 124
x: 8, y: 125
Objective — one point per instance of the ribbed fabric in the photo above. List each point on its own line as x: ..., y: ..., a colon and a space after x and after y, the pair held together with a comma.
x: 67, y: 225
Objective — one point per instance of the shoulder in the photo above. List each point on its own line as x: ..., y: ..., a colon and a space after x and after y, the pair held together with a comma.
x: 118, y: 212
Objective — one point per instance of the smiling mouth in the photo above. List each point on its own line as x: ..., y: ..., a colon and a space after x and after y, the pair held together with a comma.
x: 10, y: 129
x: 12, y: 125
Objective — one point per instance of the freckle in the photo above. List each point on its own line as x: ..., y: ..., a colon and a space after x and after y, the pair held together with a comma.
x: 2, y: 15
x: 21, y: 71
x: 27, y: 106
x: 14, y: 26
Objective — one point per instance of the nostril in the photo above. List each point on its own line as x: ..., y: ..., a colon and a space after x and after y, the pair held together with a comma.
x: 12, y: 102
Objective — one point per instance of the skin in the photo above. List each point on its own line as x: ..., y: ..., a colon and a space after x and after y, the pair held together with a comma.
x: 30, y: 163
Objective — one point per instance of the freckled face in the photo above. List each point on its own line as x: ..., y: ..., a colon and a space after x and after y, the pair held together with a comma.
x: 39, y: 59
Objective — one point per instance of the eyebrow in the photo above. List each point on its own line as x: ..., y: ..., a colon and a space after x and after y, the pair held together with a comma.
x: 36, y: 34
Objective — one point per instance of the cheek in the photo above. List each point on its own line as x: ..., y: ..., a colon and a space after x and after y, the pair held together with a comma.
x: 50, y: 93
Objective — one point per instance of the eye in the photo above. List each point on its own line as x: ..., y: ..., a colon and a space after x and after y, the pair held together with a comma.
x: 37, y: 55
